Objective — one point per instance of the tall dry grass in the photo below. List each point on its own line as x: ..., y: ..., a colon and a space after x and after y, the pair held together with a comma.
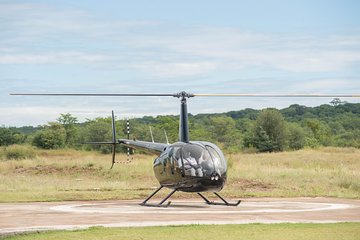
x: 55, y: 175
x: 331, y: 172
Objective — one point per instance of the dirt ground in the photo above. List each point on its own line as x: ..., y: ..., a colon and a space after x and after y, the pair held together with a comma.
x: 34, y: 216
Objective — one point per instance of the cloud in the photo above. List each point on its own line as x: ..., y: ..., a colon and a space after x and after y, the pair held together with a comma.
x: 327, y: 85
x: 36, y: 114
x: 44, y: 34
x: 57, y: 58
x: 28, y: 22
x: 62, y: 49
x: 176, y: 69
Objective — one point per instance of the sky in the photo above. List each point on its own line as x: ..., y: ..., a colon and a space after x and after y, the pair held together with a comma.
x: 203, y: 46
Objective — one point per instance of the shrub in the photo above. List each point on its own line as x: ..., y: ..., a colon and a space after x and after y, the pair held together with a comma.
x: 18, y: 152
x: 296, y: 136
x: 10, y: 136
x: 53, y: 136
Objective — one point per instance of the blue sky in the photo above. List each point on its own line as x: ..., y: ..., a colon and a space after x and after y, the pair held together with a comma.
x: 169, y: 46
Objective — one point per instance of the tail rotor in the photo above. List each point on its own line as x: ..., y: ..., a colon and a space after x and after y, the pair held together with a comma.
x: 113, y: 139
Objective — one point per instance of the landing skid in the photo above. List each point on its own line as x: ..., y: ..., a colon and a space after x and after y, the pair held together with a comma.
x: 224, y: 203
x: 160, y: 204
x: 144, y: 203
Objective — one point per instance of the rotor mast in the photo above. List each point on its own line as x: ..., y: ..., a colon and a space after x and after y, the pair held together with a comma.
x: 184, y: 119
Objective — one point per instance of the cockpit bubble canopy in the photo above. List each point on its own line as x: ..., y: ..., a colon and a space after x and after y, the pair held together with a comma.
x: 198, y: 159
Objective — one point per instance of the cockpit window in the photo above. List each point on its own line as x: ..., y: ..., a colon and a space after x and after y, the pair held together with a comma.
x: 196, y: 161
x: 219, y: 162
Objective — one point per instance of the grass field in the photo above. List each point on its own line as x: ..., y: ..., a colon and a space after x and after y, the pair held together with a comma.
x: 57, y: 175
x: 344, y: 231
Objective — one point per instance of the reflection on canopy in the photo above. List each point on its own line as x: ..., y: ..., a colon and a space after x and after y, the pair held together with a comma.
x: 198, y: 161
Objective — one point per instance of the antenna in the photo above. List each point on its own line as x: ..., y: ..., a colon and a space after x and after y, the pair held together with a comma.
x: 128, y: 137
x: 152, y: 137
x: 128, y: 128
x: 167, y: 140
x: 128, y: 149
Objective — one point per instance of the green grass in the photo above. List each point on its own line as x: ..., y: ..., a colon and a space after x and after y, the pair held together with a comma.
x: 57, y: 175
x: 344, y: 231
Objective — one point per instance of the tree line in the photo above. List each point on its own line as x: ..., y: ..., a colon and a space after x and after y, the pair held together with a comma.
x: 267, y: 130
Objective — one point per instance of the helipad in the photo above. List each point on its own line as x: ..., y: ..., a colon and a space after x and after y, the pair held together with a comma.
x: 20, y: 217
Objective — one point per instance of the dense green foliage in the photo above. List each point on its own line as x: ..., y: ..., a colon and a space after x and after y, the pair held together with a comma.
x: 269, y: 130
x: 50, y: 137
x: 10, y: 136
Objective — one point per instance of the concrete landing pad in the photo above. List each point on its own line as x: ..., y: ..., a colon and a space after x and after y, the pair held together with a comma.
x: 22, y: 217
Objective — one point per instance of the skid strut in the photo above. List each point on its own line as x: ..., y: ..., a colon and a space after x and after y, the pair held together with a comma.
x: 160, y: 204
x: 144, y: 203
x: 226, y: 203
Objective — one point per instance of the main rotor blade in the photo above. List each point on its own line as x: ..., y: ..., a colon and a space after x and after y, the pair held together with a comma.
x: 97, y: 94
x: 184, y: 94
x: 276, y: 95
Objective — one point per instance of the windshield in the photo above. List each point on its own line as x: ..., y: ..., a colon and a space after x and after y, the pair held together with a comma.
x: 194, y: 160
x: 219, y: 162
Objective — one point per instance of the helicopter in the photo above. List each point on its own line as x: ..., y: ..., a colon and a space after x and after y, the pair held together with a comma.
x: 187, y: 166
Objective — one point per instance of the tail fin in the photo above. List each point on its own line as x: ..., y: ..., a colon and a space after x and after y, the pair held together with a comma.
x: 151, y: 134
x: 166, y: 137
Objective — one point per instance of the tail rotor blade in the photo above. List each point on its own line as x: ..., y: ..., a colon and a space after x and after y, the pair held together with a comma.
x: 113, y: 127
x: 113, y: 155
x: 113, y: 139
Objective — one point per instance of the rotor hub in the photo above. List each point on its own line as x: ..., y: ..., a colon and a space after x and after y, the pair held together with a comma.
x: 183, y: 95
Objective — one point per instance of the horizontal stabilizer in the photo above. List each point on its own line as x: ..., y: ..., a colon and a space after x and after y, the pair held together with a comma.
x: 101, y: 143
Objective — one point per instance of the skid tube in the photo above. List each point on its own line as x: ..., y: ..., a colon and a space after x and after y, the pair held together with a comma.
x: 207, y: 201
x: 224, y: 203
x: 160, y: 204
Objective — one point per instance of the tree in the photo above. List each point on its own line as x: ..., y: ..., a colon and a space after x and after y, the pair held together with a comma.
x: 318, y: 133
x: 296, y: 136
x: 99, y: 130
x: 225, y: 132
x: 51, y: 137
x: 337, y: 101
x: 9, y: 136
x: 269, y: 132
x: 260, y: 140
x: 69, y: 123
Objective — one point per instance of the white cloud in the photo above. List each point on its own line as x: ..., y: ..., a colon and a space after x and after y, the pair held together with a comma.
x: 159, y: 49
x: 28, y: 22
x: 45, y: 58
x: 118, y: 55
x: 39, y: 115
x: 231, y: 48
x: 176, y: 69
x: 328, y: 85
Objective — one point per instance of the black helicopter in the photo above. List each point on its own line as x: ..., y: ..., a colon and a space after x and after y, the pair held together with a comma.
x: 188, y: 166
